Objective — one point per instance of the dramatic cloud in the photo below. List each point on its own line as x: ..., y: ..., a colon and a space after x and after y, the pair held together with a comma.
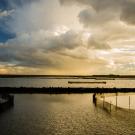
x: 106, y: 9
x: 67, y: 36
x: 44, y: 15
x: 35, y: 49
x: 10, y: 4
x: 93, y: 43
x: 90, y: 17
x: 128, y: 13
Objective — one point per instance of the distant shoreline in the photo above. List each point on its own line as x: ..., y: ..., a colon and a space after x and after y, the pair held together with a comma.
x: 61, y: 90
x: 97, y: 77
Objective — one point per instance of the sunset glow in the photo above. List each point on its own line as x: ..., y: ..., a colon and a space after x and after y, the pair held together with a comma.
x: 67, y: 37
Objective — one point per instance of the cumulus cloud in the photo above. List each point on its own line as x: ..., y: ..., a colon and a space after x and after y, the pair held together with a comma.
x: 90, y: 17
x: 36, y: 50
x: 106, y: 9
x: 82, y: 38
x: 44, y: 15
x: 5, y: 13
x: 128, y: 13
x: 50, y: 49
x: 97, y: 44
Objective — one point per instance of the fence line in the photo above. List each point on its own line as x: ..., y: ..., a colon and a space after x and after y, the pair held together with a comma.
x: 100, y: 101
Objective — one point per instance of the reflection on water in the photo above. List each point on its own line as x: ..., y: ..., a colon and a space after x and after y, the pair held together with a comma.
x: 45, y: 82
x: 39, y: 114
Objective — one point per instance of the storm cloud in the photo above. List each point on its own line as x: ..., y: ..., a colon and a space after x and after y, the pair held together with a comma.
x: 105, y: 10
x: 36, y: 50
x: 67, y: 36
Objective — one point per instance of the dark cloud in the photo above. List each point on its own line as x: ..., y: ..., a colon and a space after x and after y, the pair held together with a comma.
x: 32, y: 50
x: 90, y: 17
x: 68, y: 2
x: 68, y: 40
x: 128, y: 13
x: 96, y: 4
x: 10, y: 4
x: 26, y: 57
x: 25, y: 51
x: 86, y: 17
x: 41, y: 41
x: 7, y: 10
x: 94, y: 43
x: 105, y: 10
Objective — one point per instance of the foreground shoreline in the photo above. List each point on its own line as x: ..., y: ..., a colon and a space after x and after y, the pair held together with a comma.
x: 61, y: 90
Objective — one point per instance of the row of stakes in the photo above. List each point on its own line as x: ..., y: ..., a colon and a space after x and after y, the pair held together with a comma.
x: 116, y: 102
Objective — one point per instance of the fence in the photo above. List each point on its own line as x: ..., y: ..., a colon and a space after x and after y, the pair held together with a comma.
x: 100, y: 101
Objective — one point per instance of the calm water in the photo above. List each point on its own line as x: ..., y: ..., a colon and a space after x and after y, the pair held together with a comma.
x: 126, y: 101
x: 63, y: 115
x: 44, y: 82
x: 40, y: 114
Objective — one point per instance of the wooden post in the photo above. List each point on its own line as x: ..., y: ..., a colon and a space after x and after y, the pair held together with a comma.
x: 103, y: 100
x: 110, y: 105
x: 116, y: 100
x: 129, y: 102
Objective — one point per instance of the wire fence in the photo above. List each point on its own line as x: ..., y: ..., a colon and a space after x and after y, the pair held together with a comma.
x: 102, y: 101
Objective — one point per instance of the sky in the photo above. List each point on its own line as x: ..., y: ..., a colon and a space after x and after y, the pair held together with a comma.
x: 67, y: 37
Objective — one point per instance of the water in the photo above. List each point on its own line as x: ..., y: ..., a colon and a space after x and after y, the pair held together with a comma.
x: 45, y: 82
x: 63, y: 115
x: 40, y: 114
x: 126, y: 101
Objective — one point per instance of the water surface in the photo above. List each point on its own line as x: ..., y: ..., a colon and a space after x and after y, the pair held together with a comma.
x: 55, y: 82
x: 39, y: 114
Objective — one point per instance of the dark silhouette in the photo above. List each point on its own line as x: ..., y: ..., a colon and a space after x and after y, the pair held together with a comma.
x: 94, y: 99
x: 6, y: 101
x: 62, y: 90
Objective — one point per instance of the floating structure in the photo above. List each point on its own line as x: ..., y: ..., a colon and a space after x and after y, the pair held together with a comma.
x: 80, y: 82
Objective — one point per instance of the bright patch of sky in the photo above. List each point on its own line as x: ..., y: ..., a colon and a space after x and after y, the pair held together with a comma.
x: 67, y: 36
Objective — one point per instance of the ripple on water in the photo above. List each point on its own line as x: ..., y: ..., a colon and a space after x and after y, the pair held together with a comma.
x: 63, y: 115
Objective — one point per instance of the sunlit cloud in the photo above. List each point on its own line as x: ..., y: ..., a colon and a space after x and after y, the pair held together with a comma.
x: 68, y: 37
